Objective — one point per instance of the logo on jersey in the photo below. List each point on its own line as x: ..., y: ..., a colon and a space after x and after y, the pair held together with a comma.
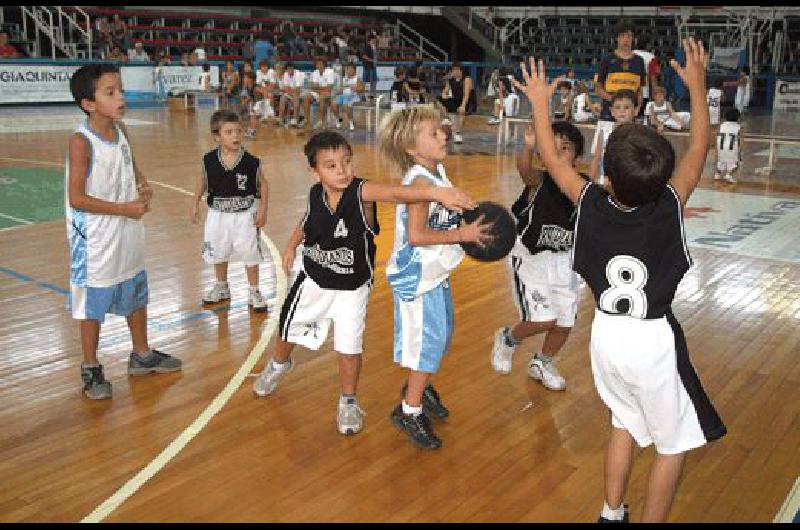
x: 341, y: 229
x: 339, y: 260
x: 126, y: 154
x: 443, y: 219
x: 241, y: 181
x: 555, y: 237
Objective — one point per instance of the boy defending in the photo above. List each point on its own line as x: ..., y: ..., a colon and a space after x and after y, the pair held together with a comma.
x: 630, y: 247
x: 107, y: 196
x: 237, y: 210
x: 336, y: 277
x: 546, y: 288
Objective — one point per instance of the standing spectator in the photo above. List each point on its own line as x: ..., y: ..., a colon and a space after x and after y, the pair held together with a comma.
x: 370, y: 59
x: 7, y: 51
x: 648, y: 84
x: 137, y: 54
x: 341, y: 45
x: 119, y: 32
x: 104, y: 29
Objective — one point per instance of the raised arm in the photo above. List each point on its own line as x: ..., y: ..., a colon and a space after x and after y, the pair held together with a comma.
x: 540, y: 92
x: 690, y: 168
x: 452, y: 198
x: 530, y: 175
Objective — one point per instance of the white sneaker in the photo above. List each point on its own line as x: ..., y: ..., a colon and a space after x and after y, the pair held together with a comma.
x: 729, y: 178
x: 457, y: 138
x: 717, y: 176
x: 257, y: 302
x: 218, y: 293
x: 352, y: 127
x: 268, y: 379
x: 338, y: 125
x: 493, y: 121
x: 544, y: 371
x: 350, y: 419
x: 502, y: 353
x: 293, y: 122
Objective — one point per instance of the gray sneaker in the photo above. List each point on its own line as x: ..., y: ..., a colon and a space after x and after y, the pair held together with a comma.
x: 350, y: 419
x: 502, y: 353
x: 266, y: 382
x: 155, y: 362
x: 95, y: 385
x: 218, y: 293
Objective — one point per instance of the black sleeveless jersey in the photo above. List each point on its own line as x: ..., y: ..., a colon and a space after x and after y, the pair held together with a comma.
x: 632, y: 259
x: 339, y: 246
x: 545, y: 217
x: 231, y: 190
x: 457, y: 89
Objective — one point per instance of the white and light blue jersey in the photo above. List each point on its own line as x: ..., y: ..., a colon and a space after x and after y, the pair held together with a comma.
x: 105, y: 249
x: 414, y: 270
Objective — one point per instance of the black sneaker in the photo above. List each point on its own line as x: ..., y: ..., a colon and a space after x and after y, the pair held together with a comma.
x: 624, y: 517
x: 431, y: 402
x: 418, y: 428
x: 95, y: 385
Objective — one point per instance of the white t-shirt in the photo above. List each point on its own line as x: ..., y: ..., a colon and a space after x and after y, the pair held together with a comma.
x: 201, y: 54
x: 714, y: 100
x: 661, y: 112
x: 646, y: 57
x: 324, y: 79
x: 349, y: 84
x: 728, y: 141
x: 262, y: 78
x: 293, y: 81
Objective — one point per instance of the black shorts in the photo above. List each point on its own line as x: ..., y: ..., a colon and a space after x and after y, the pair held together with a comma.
x: 452, y: 104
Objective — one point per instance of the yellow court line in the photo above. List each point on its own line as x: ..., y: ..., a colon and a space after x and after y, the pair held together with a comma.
x: 133, y: 485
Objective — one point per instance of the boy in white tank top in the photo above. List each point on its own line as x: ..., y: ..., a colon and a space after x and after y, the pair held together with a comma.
x: 729, y: 142
x: 106, y: 196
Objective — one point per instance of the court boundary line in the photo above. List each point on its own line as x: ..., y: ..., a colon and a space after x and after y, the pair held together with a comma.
x: 791, y: 506
x: 182, y: 440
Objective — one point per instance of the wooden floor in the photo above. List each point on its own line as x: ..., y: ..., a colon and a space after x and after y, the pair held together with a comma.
x: 513, y: 451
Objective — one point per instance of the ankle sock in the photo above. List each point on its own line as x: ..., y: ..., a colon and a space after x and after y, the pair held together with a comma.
x: 612, y: 514
x: 347, y: 399
x: 408, y: 409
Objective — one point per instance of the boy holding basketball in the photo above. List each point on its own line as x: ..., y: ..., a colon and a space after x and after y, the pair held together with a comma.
x: 107, y: 195
x: 546, y: 288
x: 630, y: 247
x: 425, y: 251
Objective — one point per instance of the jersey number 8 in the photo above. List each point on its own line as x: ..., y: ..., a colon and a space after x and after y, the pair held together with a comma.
x: 627, y: 277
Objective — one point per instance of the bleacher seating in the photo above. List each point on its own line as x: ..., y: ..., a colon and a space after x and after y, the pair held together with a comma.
x: 225, y: 36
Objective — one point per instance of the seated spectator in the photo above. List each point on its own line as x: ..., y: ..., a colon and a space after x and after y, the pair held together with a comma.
x: 322, y: 80
x: 582, y: 108
x: 352, y: 88
x: 137, y: 54
x: 399, y: 91
x: 416, y: 87
x: 103, y: 28
x: 117, y: 55
x: 7, y: 51
x: 563, y: 110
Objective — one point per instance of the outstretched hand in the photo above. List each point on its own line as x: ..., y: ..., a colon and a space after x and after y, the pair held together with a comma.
x: 536, y: 84
x: 694, y: 73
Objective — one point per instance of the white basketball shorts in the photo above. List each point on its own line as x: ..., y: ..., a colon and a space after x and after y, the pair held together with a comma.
x: 545, y: 286
x: 232, y: 236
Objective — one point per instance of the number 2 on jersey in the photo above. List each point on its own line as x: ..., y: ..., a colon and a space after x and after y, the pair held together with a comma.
x: 627, y: 277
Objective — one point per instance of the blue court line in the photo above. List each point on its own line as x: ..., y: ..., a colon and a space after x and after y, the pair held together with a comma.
x: 152, y: 324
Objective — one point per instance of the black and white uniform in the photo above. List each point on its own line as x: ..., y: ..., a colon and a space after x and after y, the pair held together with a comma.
x: 336, y: 276
x: 728, y: 155
x: 714, y: 99
x: 545, y: 286
x: 233, y: 200
x: 633, y: 260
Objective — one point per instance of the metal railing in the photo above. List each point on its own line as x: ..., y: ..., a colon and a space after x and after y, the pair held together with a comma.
x: 414, y: 38
x: 51, y: 22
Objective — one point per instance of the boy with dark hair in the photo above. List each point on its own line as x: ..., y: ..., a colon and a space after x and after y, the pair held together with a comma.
x: 546, y: 288
x: 107, y: 195
x: 630, y: 247
x: 335, y: 279
x: 563, y: 108
x: 237, y: 195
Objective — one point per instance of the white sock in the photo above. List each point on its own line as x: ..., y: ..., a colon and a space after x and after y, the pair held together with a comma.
x: 408, y: 409
x: 253, y: 289
x: 281, y: 367
x: 611, y: 514
x: 223, y: 283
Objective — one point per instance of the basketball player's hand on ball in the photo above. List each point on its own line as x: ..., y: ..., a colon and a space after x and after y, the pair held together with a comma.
x: 476, y: 232
x: 454, y: 199
x: 694, y: 73
x: 536, y: 85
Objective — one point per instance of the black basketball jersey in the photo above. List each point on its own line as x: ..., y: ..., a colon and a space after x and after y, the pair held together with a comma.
x: 632, y: 259
x: 457, y: 92
x: 231, y: 190
x: 545, y: 217
x: 339, y: 246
